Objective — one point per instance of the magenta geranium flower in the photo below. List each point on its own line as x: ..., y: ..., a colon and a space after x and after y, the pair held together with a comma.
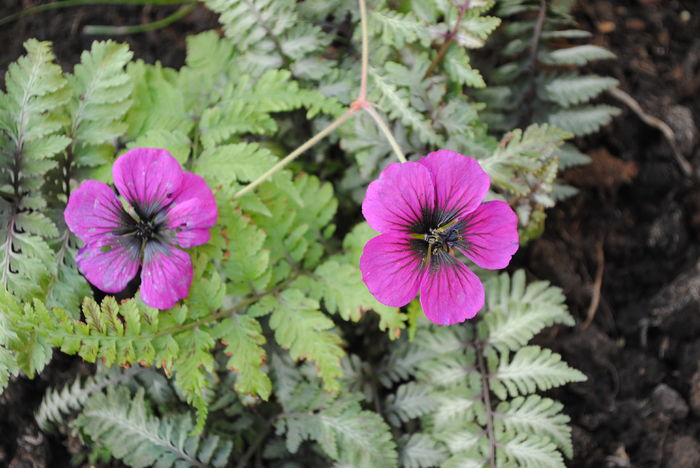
x: 427, y: 211
x: 158, y: 209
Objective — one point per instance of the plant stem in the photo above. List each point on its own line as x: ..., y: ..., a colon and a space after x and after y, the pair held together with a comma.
x: 106, y: 30
x: 294, y: 154
x: 365, y: 51
x: 68, y: 3
x: 483, y: 372
x: 231, y: 310
x: 448, y: 41
x: 360, y: 103
x: 387, y: 133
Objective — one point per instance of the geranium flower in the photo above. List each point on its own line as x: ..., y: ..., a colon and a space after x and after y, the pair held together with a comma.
x: 427, y: 211
x: 161, y: 208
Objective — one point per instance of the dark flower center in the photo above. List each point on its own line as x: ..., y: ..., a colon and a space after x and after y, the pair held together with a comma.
x: 435, y: 236
x: 145, y: 230
x: 443, y: 238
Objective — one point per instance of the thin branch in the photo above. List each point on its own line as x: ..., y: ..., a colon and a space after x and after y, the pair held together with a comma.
x: 597, y: 284
x: 486, y: 396
x: 448, y: 40
x: 360, y: 103
x: 106, y: 30
x: 529, y: 94
x: 365, y: 51
x: 262, y: 435
x: 387, y: 133
x: 231, y: 310
x: 69, y: 3
x: 294, y: 154
x: 662, y: 126
x: 537, y: 34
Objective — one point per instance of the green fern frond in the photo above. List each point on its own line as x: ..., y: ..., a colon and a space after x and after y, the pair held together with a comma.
x: 572, y: 89
x: 420, y: 451
x: 101, y: 90
x: 583, y: 120
x: 123, y: 426
x: 243, y: 338
x: 345, y: 432
x: 300, y: 327
x: 518, y: 312
x: 29, y: 122
x: 531, y: 368
x: 535, y: 416
x: 397, y: 29
x: 576, y: 55
x: 529, y: 451
x: 411, y: 400
x: 57, y: 404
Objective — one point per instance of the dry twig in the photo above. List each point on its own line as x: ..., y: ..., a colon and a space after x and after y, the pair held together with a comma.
x: 662, y: 126
x: 597, y: 284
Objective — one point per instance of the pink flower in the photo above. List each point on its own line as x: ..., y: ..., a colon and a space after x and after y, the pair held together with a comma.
x: 161, y: 208
x: 428, y: 210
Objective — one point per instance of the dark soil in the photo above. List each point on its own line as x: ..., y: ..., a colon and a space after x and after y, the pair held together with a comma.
x: 630, y: 238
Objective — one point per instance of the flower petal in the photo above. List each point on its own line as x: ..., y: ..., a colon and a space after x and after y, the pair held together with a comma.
x: 148, y: 178
x: 396, y: 200
x: 391, y: 269
x: 192, y: 212
x: 166, y: 275
x: 109, y: 262
x: 490, y: 235
x: 451, y: 293
x: 94, y: 211
x: 460, y: 182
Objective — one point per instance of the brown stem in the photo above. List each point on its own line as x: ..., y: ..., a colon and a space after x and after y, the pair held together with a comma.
x: 486, y: 397
x: 532, y: 66
x: 448, y: 41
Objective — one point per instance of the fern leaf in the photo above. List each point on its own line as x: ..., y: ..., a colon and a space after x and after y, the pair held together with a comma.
x: 518, y: 312
x: 29, y: 121
x: 572, y: 89
x: 223, y: 165
x: 475, y: 29
x: 577, y: 55
x: 243, y: 338
x: 535, y: 416
x: 420, y: 451
x: 397, y: 104
x: 532, y: 368
x: 22, y: 343
x: 459, y: 69
x: 102, y: 89
x: 56, y: 404
x: 402, y: 363
x: 340, y: 287
x: 121, y: 424
x: 529, y: 451
x: 305, y: 331
x: 346, y: 433
x: 192, y: 366
x: 245, y: 260
x: 175, y: 142
x: 410, y: 401
x: 8, y: 361
x: 585, y: 119
x: 397, y: 29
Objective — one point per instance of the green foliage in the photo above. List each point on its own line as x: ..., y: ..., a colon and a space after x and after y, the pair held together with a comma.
x: 279, y: 351
x: 536, y: 85
x: 121, y: 423
x: 29, y: 138
x: 472, y: 388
